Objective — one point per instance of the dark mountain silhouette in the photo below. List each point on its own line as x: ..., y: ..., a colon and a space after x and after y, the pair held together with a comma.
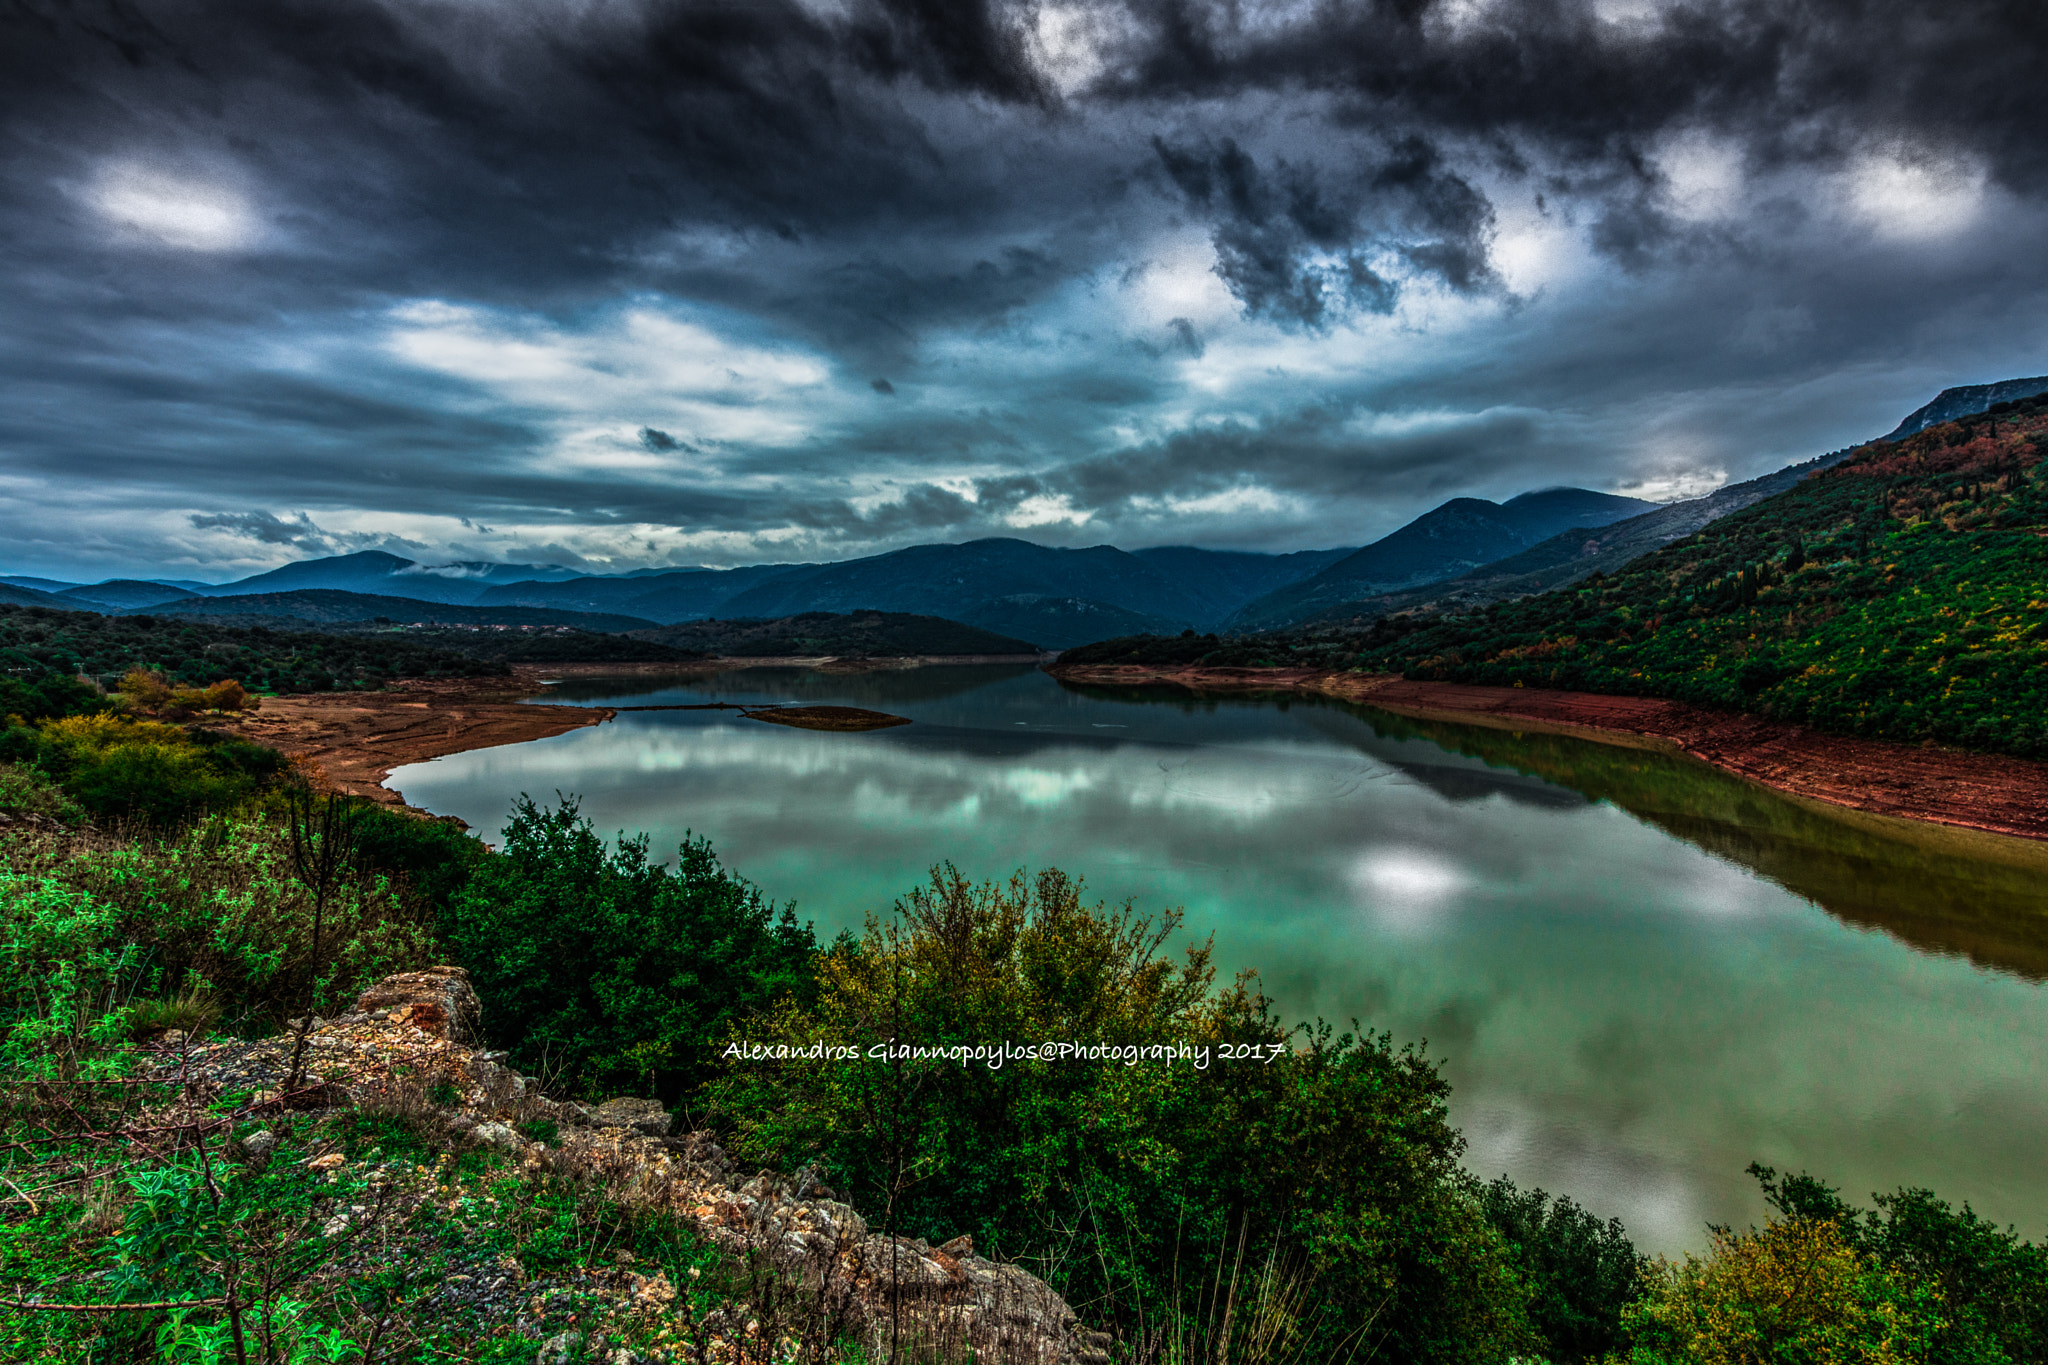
x: 861, y: 634
x: 667, y: 597
x: 121, y: 594
x: 1461, y: 535
x: 327, y: 606
x: 1007, y: 585
x: 952, y: 580
x: 1058, y: 622
x: 1237, y: 576
x: 389, y: 575
x: 14, y: 596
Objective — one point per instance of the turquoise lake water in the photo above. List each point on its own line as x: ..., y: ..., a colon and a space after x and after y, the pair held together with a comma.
x: 1639, y: 973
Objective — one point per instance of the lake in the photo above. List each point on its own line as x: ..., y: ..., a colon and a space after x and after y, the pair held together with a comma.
x: 1641, y: 974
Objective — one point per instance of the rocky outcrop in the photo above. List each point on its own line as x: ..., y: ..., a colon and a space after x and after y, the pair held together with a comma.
x: 404, y: 1049
x: 438, y: 1001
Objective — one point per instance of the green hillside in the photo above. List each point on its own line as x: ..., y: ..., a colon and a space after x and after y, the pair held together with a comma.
x: 38, y: 640
x: 1901, y: 594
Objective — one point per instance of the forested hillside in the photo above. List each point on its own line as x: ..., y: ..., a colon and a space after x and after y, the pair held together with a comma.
x: 34, y: 640
x: 1898, y: 595
x: 1901, y: 594
x: 860, y: 634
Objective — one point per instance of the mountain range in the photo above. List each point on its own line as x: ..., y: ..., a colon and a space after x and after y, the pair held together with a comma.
x: 1461, y: 535
x: 1466, y: 552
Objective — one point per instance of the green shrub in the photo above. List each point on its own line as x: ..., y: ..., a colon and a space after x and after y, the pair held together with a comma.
x: 156, y: 784
x: 149, y: 772
x: 612, y: 971
x: 27, y: 791
x: 65, y: 977
x: 49, y: 696
x: 433, y: 858
x: 1992, y: 1287
x: 1135, y: 1188
x: 1793, y: 1291
x: 1582, y: 1273
x: 217, y: 909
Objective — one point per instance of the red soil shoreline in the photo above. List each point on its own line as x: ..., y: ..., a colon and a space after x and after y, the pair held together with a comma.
x: 1985, y: 792
x: 353, y: 740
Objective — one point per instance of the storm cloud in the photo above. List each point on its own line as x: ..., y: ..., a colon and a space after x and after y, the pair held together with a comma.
x: 655, y: 281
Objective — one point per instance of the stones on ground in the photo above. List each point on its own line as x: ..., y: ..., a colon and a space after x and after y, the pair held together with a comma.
x: 561, y: 1349
x: 645, y: 1117
x: 497, y: 1135
x: 255, y: 1149
x: 883, y: 1288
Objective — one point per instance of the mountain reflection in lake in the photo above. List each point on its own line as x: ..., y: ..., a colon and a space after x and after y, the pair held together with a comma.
x: 1642, y: 974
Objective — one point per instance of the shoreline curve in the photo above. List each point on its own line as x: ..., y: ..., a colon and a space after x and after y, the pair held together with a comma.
x: 1988, y: 794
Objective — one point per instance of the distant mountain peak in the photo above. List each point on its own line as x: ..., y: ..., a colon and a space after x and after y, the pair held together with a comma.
x: 1449, y: 539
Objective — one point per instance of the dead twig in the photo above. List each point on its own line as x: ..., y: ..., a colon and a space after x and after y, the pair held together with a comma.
x: 32, y: 1307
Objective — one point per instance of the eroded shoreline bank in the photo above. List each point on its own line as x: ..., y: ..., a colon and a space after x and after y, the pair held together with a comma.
x: 1976, y: 792
x: 355, y: 740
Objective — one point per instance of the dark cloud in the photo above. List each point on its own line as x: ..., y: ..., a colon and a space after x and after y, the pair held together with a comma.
x: 267, y: 528
x: 1798, y: 79
x: 214, y: 210
x: 1291, y: 244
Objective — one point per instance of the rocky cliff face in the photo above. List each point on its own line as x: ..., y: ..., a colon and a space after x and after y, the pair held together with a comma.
x: 1966, y: 400
x: 409, y: 1042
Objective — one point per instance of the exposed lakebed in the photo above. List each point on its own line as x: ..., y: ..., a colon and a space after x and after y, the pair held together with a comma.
x: 1641, y: 973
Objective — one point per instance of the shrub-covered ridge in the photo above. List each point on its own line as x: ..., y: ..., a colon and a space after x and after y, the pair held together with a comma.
x: 35, y: 640
x: 1901, y: 594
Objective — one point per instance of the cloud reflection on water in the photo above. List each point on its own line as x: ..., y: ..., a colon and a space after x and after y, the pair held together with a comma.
x: 1626, y: 1017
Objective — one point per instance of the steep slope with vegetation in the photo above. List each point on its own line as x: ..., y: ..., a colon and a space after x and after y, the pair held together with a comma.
x: 1900, y: 594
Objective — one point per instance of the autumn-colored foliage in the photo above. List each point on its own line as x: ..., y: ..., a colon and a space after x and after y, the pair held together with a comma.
x: 148, y: 691
x: 145, y: 689
x: 1792, y: 1291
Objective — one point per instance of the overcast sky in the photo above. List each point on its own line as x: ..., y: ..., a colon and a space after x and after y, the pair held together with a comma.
x: 616, y: 283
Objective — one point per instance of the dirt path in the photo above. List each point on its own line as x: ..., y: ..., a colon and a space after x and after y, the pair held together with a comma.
x: 1943, y: 786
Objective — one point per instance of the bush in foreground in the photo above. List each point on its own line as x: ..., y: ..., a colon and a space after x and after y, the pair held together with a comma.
x: 613, y: 972
x: 1306, y: 1196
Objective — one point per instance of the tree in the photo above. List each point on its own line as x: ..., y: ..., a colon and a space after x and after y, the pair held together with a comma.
x: 618, y: 972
